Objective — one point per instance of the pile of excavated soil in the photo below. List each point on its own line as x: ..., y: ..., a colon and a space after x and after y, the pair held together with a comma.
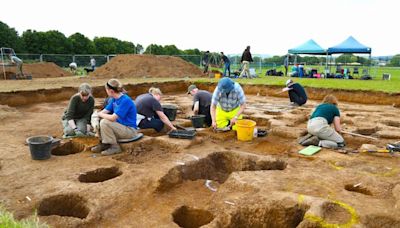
x: 39, y: 70
x: 134, y: 66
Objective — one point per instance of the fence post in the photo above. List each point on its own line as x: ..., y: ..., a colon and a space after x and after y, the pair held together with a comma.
x: 41, y: 58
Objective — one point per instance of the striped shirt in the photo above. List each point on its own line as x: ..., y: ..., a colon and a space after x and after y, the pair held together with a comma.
x: 230, y: 101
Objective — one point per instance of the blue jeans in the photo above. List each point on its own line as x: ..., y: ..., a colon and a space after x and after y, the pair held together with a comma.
x: 154, y: 123
x: 227, y: 68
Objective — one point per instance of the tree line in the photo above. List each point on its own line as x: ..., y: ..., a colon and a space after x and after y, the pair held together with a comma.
x: 55, y: 42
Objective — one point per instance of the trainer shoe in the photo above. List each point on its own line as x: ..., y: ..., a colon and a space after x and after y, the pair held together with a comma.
x: 114, y: 149
x: 314, y: 140
x: 304, y: 138
x: 100, y: 147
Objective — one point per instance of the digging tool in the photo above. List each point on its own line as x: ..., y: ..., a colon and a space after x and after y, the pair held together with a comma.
x: 359, y: 135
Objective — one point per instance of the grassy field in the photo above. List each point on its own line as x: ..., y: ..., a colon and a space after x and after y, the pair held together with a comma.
x: 7, y: 220
x: 377, y: 84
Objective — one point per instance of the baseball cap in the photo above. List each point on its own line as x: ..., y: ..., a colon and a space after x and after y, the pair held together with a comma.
x: 225, y: 85
x: 288, y: 82
x: 191, y: 87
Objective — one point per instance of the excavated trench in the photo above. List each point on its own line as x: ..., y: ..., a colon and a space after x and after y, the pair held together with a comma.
x: 100, y: 175
x: 18, y: 98
x: 68, y: 148
x: 70, y: 205
x: 217, y: 166
x: 188, y: 217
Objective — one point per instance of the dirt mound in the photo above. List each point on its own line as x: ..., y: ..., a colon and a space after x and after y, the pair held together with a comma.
x: 133, y: 66
x: 40, y: 70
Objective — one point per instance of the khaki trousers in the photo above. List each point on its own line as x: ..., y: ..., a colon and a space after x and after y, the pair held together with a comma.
x: 329, y: 137
x: 245, y: 69
x: 110, y: 132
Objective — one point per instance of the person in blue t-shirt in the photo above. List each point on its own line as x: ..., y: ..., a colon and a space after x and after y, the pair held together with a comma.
x: 118, y: 119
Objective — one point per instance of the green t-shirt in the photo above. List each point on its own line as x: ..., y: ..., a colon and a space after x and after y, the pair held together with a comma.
x: 77, y: 109
x: 327, y: 111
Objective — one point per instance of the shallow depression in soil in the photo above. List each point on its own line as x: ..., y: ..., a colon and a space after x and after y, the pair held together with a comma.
x: 188, y: 217
x: 99, y: 175
x: 71, y: 205
x: 68, y: 148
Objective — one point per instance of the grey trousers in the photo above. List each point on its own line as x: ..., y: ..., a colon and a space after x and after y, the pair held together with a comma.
x: 329, y: 137
x: 110, y: 132
x: 80, y: 124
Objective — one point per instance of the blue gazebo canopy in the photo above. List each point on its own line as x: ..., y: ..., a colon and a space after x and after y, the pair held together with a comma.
x: 310, y: 47
x: 350, y: 45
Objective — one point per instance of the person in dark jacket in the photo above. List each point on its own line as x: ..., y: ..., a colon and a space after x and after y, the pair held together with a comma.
x: 245, y: 60
x: 297, y: 94
x: 227, y: 64
x: 76, y: 118
x: 206, y: 61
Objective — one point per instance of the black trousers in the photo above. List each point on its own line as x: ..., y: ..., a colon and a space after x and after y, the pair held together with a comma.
x: 205, y: 110
x: 296, y: 98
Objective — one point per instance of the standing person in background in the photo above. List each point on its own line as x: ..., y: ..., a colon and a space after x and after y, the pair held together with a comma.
x: 286, y: 64
x: 150, y: 111
x: 201, y: 102
x: 15, y: 60
x: 245, y: 60
x: 73, y: 66
x: 92, y: 63
x: 227, y: 64
x: 297, y: 94
x: 76, y: 118
x: 206, y: 61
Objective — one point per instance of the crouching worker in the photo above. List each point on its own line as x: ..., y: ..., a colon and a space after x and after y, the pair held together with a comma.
x: 201, y: 102
x: 318, y: 127
x: 121, y: 124
x: 76, y: 119
x: 150, y: 112
x: 297, y: 94
x: 227, y: 104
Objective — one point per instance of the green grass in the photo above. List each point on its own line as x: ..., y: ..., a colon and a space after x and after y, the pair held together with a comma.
x: 7, y: 221
x: 377, y: 84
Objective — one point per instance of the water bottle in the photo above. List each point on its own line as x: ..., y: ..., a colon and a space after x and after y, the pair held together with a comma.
x: 255, y: 132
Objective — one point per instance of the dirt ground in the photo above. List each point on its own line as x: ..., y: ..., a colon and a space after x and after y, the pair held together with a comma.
x: 147, y: 66
x: 38, y: 70
x: 213, y: 180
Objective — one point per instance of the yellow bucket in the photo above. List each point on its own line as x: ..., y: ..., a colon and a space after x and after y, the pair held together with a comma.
x: 217, y: 75
x: 245, y: 129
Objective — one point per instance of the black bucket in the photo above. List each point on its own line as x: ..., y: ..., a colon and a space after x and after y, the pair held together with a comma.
x: 198, y: 121
x: 170, y: 111
x: 40, y: 146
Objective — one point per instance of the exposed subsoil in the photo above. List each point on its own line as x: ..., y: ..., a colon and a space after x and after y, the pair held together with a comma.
x: 148, y: 66
x: 211, y: 181
x: 38, y: 70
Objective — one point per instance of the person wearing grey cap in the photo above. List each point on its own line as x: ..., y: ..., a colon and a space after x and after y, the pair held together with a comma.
x: 76, y: 118
x: 201, y: 102
x: 227, y: 104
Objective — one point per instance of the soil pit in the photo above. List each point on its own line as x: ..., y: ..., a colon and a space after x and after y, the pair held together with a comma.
x: 188, y: 217
x: 71, y: 205
x: 68, y: 148
x: 99, y: 175
x: 358, y: 188
x: 217, y: 166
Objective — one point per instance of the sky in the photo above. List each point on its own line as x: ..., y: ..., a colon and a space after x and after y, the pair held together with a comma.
x: 268, y: 26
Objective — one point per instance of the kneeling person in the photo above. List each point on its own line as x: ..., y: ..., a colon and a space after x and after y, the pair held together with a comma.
x: 297, y: 94
x: 227, y: 104
x: 118, y: 119
x: 201, y: 102
x: 76, y: 119
x: 150, y: 111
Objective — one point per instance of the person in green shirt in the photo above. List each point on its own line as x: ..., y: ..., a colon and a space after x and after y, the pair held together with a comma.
x: 76, y: 118
x: 319, y: 129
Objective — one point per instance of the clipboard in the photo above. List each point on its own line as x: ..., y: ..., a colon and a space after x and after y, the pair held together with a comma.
x: 310, y: 150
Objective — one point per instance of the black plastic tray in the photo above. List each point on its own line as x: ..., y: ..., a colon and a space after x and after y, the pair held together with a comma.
x: 182, y: 134
x: 261, y: 133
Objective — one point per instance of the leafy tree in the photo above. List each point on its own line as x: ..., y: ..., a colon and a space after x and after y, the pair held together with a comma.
x: 81, y: 44
x: 395, y: 61
x: 192, y: 52
x: 56, y: 43
x: 32, y: 41
x: 9, y: 38
x: 125, y: 47
x: 105, y: 45
x: 139, y: 49
x: 154, y: 49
